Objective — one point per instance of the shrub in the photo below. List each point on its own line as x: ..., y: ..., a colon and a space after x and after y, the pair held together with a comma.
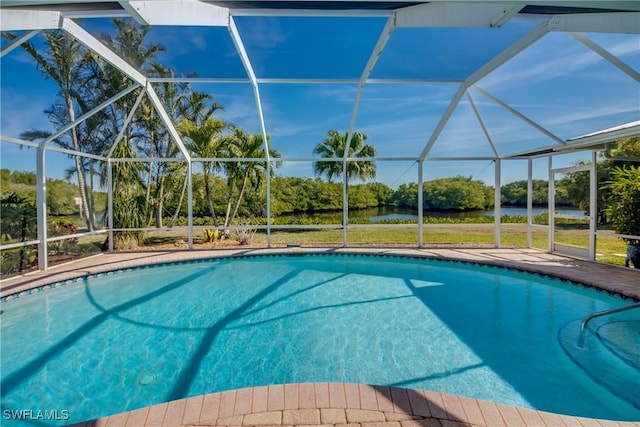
x: 624, y: 208
x: 244, y: 232
x: 211, y: 235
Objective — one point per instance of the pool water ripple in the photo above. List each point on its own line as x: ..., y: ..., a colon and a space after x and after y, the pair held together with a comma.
x: 121, y: 341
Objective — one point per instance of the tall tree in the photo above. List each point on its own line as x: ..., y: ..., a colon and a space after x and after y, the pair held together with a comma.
x: 204, y: 139
x: 334, y: 146
x: 65, y: 62
x: 129, y: 203
x: 248, y: 174
x: 147, y: 131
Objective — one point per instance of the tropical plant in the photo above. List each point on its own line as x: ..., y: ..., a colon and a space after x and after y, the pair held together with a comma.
x: 624, y: 209
x: 204, y: 139
x: 211, y: 235
x: 244, y: 174
x: 334, y: 146
x: 129, y: 203
x: 244, y: 232
x: 624, y: 203
x: 61, y: 228
x: 65, y: 62
x: 146, y: 130
x: 17, y: 223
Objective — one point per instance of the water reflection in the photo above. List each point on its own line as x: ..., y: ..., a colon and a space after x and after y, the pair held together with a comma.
x: 398, y: 213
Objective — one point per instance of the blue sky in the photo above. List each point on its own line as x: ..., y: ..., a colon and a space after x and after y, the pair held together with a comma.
x: 558, y: 82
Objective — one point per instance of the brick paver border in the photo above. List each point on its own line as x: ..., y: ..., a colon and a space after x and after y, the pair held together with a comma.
x: 348, y: 405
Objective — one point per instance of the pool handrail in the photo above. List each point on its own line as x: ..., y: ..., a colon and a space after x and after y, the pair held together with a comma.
x: 592, y: 316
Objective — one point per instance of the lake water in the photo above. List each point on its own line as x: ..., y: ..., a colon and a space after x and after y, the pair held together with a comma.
x: 394, y: 212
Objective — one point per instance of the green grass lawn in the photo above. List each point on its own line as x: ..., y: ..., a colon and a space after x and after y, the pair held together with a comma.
x: 608, y: 248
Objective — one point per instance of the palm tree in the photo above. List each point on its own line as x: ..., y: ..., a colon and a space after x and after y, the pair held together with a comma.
x: 129, y: 204
x: 205, y: 141
x: 146, y: 129
x: 131, y: 45
x: 64, y: 61
x: 245, y: 174
x: 334, y: 146
x: 198, y: 107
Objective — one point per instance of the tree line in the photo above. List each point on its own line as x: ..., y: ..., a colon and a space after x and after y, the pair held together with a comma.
x: 61, y: 194
x: 292, y: 195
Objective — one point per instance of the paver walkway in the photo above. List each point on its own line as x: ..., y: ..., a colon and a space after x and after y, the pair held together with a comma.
x: 339, y: 405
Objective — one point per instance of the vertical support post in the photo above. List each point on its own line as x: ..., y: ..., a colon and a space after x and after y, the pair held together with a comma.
x: 552, y: 203
x: 593, y: 205
x: 345, y: 201
x: 189, y: 203
x: 268, y: 203
x: 41, y: 207
x: 529, y: 202
x: 497, y: 216
x: 110, y: 202
x: 420, y: 205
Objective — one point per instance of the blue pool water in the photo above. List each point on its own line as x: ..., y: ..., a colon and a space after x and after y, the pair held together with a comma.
x: 129, y: 339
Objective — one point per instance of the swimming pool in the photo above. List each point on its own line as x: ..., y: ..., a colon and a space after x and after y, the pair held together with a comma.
x: 133, y: 338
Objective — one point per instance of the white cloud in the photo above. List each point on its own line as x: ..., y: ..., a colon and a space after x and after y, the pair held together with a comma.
x: 594, y: 111
x: 554, y: 56
x: 261, y: 33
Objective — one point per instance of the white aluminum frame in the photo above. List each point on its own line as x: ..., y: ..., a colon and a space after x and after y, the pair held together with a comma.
x: 429, y: 14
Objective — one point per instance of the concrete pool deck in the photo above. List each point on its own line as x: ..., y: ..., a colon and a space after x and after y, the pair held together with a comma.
x: 337, y: 404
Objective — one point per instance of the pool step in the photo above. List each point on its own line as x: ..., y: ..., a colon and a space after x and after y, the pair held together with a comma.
x: 622, y: 338
x: 610, y: 363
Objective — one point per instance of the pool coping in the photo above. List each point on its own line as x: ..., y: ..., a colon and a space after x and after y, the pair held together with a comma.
x: 620, y: 281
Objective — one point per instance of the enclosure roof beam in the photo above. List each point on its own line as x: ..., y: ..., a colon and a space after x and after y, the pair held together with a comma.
x: 521, y: 116
x: 455, y: 14
x: 509, y: 12
x: 75, y: 153
x: 607, y: 55
x: 237, y: 40
x: 27, y: 143
x: 482, y: 125
x: 88, y: 114
x: 108, y: 55
x: 292, y: 81
x: 243, y: 80
x: 315, y: 13
x: 626, y: 130
x: 17, y: 20
x: 103, y: 51
x: 518, y: 46
x: 126, y: 5
x: 443, y: 121
x: 383, y: 39
x: 611, y: 22
x: 177, y: 12
x: 126, y: 122
x: 157, y: 104
x: 13, y: 140
x: 17, y: 42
